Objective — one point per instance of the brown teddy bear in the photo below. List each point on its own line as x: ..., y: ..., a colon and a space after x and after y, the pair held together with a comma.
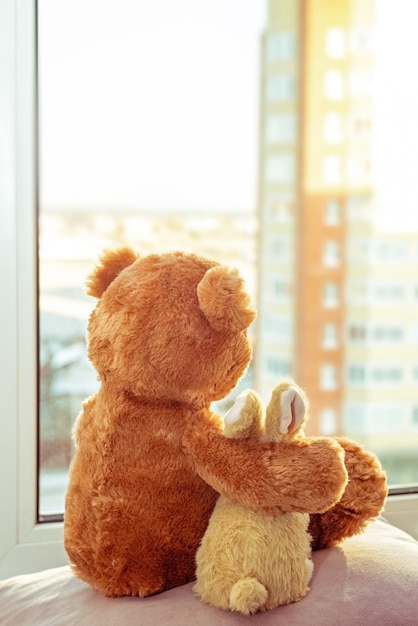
x: 248, y: 561
x: 168, y: 337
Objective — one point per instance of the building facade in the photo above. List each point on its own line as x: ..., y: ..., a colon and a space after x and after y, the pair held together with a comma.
x: 337, y: 290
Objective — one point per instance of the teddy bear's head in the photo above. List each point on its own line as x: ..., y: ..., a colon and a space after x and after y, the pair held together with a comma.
x: 169, y: 327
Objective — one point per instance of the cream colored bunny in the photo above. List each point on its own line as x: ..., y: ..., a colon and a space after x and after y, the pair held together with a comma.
x: 249, y: 561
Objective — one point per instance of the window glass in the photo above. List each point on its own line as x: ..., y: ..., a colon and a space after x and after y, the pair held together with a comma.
x: 165, y: 125
x: 331, y: 254
x: 332, y: 169
x: 147, y: 135
x: 332, y: 215
x: 328, y: 422
x: 361, y: 39
x: 281, y: 128
x: 330, y: 295
x: 330, y: 336
x: 328, y: 375
x: 281, y: 88
x: 333, y: 128
x: 334, y: 85
x: 335, y: 43
x: 280, y: 168
x: 280, y: 46
x: 360, y: 82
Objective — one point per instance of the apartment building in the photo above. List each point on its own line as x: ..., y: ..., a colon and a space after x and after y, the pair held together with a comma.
x: 337, y: 291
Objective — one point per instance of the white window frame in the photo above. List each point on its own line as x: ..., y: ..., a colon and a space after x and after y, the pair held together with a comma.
x: 25, y: 545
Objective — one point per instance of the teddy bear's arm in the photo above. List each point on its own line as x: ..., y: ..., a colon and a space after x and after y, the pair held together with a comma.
x: 307, y: 476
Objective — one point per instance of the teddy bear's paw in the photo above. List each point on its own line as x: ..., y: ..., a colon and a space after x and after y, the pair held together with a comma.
x: 366, y: 491
x: 362, y: 500
x: 244, y: 418
x: 285, y: 412
x: 248, y: 595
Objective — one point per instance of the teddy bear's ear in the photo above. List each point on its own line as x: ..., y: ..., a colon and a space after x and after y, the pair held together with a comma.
x: 110, y: 265
x: 223, y: 299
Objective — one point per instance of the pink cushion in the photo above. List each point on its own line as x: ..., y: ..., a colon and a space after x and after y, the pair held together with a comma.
x: 369, y: 579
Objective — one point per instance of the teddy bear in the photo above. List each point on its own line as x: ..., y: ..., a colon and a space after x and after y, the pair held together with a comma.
x: 248, y: 561
x: 167, y: 337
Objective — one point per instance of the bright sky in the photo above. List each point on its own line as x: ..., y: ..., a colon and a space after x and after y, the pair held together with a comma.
x: 149, y: 103
x: 395, y: 157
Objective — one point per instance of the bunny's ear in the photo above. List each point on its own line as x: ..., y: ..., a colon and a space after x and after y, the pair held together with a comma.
x: 285, y: 412
x: 293, y: 410
x: 244, y: 418
x: 110, y: 265
x: 224, y: 301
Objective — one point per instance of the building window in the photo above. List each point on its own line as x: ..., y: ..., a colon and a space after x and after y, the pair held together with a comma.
x: 374, y: 292
x: 389, y: 251
x: 371, y: 417
x: 334, y: 86
x: 332, y: 214
x: 387, y: 292
x: 358, y: 168
x: 387, y: 334
x: 357, y: 333
x: 330, y: 336
x: 279, y: 248
x: 379, y: 250
x: 282, y: 289
x: 361, y: 40
x: 278, y: 207
x: 328, y: 422
x: 278, y: 367
x: 414, y: 333
x: 360, y: 82
x: 279, y: 328
x: 328, y: 377
x: 357, y: 374
x: 280, y: 168
x: 358, y: 291
x: 375, y: 375
x: 281, y: 88
x: 360, y: 126
x: 385, y: 374
x: 335, y: 43
x: 359, y: 249
x: 331, y: 254
x: 330, y: 295
x: 359, y: 209
x: 281, y: 128
x: 333, y: 130
x: 281, y: 46
x: 332, y: 170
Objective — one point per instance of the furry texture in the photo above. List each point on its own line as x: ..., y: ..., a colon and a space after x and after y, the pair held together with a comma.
x: 168, y: 337
x: 248, y: 561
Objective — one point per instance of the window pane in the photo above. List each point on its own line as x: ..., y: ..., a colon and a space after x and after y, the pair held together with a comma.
x: 164, y: 125
x: 280, y: 46
x: 147, y: 135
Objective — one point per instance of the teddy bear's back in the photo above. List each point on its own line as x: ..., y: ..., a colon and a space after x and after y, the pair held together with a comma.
x: 136, y: 508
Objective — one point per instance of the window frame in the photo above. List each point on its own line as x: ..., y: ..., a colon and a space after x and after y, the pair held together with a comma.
x: 26, y: 545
